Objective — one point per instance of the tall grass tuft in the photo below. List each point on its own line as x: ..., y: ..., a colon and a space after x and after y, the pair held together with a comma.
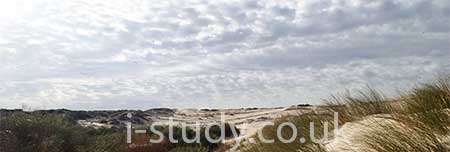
x: 423, y: 124
x: 417, y: 121
x: 365, y: 103
x: 429, y: 104
x: 402, y: 137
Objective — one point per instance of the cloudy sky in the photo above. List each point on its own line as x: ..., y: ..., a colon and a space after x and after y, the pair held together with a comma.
x: 102, y: 54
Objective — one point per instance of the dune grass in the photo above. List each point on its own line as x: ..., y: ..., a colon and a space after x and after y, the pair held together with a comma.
x: 350, y: 108
x: 354, y: 107
x: 421, y: 125
x: 429, y: 104
x: 417, y: 121
x: 402, y: 137
x: 310, y: 144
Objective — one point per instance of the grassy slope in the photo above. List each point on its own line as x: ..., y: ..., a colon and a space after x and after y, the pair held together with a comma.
x: 417, y: 121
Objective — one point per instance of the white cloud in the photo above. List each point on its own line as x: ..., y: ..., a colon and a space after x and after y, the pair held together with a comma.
x: 89, y: 54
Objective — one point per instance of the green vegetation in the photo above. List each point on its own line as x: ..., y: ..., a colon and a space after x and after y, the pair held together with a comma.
x: 26, y: 133
x: 365, y: 103
x: 423, y: 123
x: 302, y: 125
x: 417, y: 121
x: 30, y: 132
x: 214, y: 133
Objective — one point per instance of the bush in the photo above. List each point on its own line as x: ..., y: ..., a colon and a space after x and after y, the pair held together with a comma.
x: 43, y: 133
x: 214, y: 132
x: 48, y: 133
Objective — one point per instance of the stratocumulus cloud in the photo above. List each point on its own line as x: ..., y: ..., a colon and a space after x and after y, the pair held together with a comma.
x: 89, y: 54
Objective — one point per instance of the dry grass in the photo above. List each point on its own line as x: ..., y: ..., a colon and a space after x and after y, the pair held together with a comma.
x: 303, y: 131
x: 402, y: 137
x: 421, y: 125
x: 417, y: 121
x: 364, y: 103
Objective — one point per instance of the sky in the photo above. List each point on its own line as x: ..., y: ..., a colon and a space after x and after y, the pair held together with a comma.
x: 141, y: 54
